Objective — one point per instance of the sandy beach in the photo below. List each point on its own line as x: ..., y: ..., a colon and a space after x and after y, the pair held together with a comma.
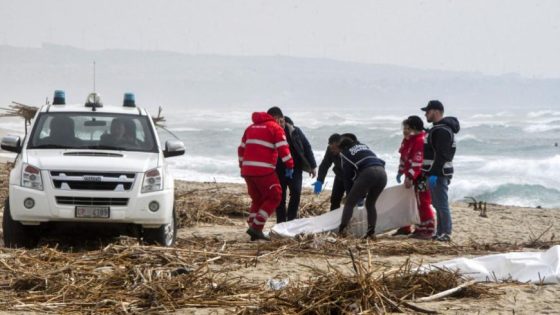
x: 206, y: 219
x: 503, y: 225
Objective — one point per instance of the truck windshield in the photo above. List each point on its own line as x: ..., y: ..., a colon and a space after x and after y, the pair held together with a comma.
x: 99, y: 131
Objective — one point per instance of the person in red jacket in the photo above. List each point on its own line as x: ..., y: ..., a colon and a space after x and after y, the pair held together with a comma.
x: 261, y: 145
x: 412, y: 155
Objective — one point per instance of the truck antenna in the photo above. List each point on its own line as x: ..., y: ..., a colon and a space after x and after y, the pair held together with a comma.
x: 94, y: 76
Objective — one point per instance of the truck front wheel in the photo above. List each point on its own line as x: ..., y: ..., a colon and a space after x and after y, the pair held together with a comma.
x: 164, y: 235
x: 17, y: 234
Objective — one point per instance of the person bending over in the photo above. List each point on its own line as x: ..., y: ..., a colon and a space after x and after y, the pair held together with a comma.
x: 331, y: 157
x: 363, y: 175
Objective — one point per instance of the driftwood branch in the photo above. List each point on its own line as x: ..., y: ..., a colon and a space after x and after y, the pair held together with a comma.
x: 534, y: 240
x: 446, y: 292
x: 16, y: 109
x: 159, y: 120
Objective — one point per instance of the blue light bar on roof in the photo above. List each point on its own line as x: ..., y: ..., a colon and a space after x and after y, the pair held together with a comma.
x: 59, y: 97
x: 129, y: 100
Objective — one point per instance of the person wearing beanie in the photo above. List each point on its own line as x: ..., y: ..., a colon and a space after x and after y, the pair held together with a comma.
x: 304, y: 160
x: 331, y: 157
x: 412, y: 156
x: 262, y: 144
x: 439, y: 150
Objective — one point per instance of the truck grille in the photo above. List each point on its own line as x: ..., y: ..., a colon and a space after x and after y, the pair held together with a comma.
x: 92, y: 180
x: 87, y: 201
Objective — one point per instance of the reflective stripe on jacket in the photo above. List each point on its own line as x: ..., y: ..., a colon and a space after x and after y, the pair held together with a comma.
x: 440, y: 147
x: 412, y: 156
x: 261, y: 145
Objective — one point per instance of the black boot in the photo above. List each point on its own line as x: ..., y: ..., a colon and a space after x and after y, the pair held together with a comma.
x: 257, y: 235
x: 370, y: 233
x: 341, y: 231
x: 249, y: 231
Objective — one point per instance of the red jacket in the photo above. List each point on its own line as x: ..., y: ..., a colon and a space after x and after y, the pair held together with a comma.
x: 262, y: 144
x: 412, y: 156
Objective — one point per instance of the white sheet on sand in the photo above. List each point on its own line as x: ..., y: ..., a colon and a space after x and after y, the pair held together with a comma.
x: 396, y: 207
x: 535, y: 267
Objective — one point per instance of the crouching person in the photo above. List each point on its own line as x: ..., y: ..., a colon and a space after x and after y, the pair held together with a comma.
x: 261, y: 145
x: 363, y: 175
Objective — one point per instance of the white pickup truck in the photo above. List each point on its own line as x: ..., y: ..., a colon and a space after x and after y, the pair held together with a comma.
x: 90, y: 165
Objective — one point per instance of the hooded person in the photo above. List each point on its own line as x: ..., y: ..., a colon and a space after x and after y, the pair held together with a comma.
x: 263, y: 142
x: 439, y: 151
x: 302, y: 153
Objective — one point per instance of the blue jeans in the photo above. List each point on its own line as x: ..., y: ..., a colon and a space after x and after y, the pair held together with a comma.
x: 440, y: 201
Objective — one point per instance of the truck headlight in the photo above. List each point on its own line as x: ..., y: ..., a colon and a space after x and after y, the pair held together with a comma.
x: 31, y: 177
x: 152, y: 181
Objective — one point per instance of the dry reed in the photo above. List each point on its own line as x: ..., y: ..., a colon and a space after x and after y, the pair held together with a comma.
x: 124, y: 279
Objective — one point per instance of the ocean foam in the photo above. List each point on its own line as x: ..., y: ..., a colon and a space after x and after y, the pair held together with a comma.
x: 538, y: 128
x: 543, y: 113
x: 466, y: 137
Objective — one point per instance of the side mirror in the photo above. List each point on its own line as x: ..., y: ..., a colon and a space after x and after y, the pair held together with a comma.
x: 173, y: 148
x: 11, y: 143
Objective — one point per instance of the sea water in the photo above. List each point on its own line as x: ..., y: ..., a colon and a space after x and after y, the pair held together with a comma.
x: 511, y: 158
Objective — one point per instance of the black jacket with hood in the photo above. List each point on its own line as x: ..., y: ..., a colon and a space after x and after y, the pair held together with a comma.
x: 440, y: 147
x: 300, y: 149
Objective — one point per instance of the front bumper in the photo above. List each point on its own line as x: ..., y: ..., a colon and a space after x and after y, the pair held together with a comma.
x: 47, y: 209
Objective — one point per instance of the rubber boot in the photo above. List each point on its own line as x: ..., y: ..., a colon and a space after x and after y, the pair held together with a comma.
x: 257, y: 235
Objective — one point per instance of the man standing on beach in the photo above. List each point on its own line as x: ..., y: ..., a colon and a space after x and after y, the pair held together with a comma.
x: 303, y: 161
x: 262, y: 144
x: 439, y: 150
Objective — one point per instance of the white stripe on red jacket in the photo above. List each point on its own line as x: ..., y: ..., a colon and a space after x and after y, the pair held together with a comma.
x: 261, y: 145
x: 412, y: 155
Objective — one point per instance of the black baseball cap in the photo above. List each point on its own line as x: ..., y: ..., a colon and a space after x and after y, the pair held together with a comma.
x: 433, y: 104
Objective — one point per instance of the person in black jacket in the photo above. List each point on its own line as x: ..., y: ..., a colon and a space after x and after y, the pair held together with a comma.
x: 331, y: 157
x: 303, y: 161
x: 363, y: 175
x: 439, y: 150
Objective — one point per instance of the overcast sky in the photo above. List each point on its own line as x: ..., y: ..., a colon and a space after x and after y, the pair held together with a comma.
x: 487, y: 36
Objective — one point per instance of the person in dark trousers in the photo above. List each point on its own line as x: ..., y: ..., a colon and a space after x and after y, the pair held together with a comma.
x: 331, y: 157
x: 303, y: 161
x: 363, y: 175
x: 439, y: 150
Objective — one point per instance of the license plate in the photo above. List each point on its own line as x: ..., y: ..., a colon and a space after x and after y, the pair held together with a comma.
x: 92, y: 212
